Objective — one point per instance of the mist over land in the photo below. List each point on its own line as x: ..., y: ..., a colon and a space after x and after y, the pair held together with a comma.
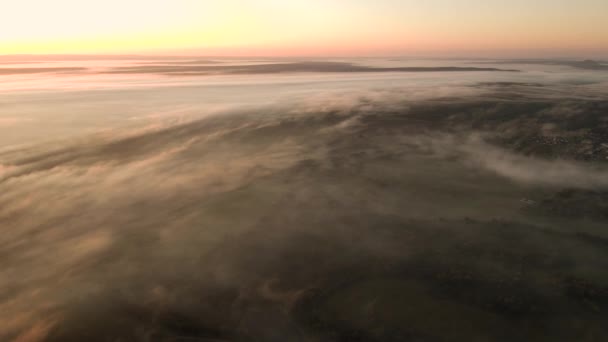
x: 326, y: 200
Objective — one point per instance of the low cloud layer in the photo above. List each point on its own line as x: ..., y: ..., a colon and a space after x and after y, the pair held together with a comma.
x: 516, y: 167
x: 208, y: 67
x: 273, y: 68
x: 313, y: 218
x: 20, y: 71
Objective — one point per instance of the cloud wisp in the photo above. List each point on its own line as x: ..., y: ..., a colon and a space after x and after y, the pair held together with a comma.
x: 306, y: 218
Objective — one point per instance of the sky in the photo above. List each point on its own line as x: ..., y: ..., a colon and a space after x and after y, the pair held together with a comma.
x: 306, y: 27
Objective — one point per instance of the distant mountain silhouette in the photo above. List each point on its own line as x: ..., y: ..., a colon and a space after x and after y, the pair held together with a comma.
x: 587, y: 64
x: 283, y: 68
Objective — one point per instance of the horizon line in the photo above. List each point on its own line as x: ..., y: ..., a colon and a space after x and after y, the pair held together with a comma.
x: 191, y: 56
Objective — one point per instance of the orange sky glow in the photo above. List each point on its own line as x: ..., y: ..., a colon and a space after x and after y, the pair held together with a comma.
x: 305, y: 27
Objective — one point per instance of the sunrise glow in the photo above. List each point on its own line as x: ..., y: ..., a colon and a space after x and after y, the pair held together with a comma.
x: 313, y: 27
